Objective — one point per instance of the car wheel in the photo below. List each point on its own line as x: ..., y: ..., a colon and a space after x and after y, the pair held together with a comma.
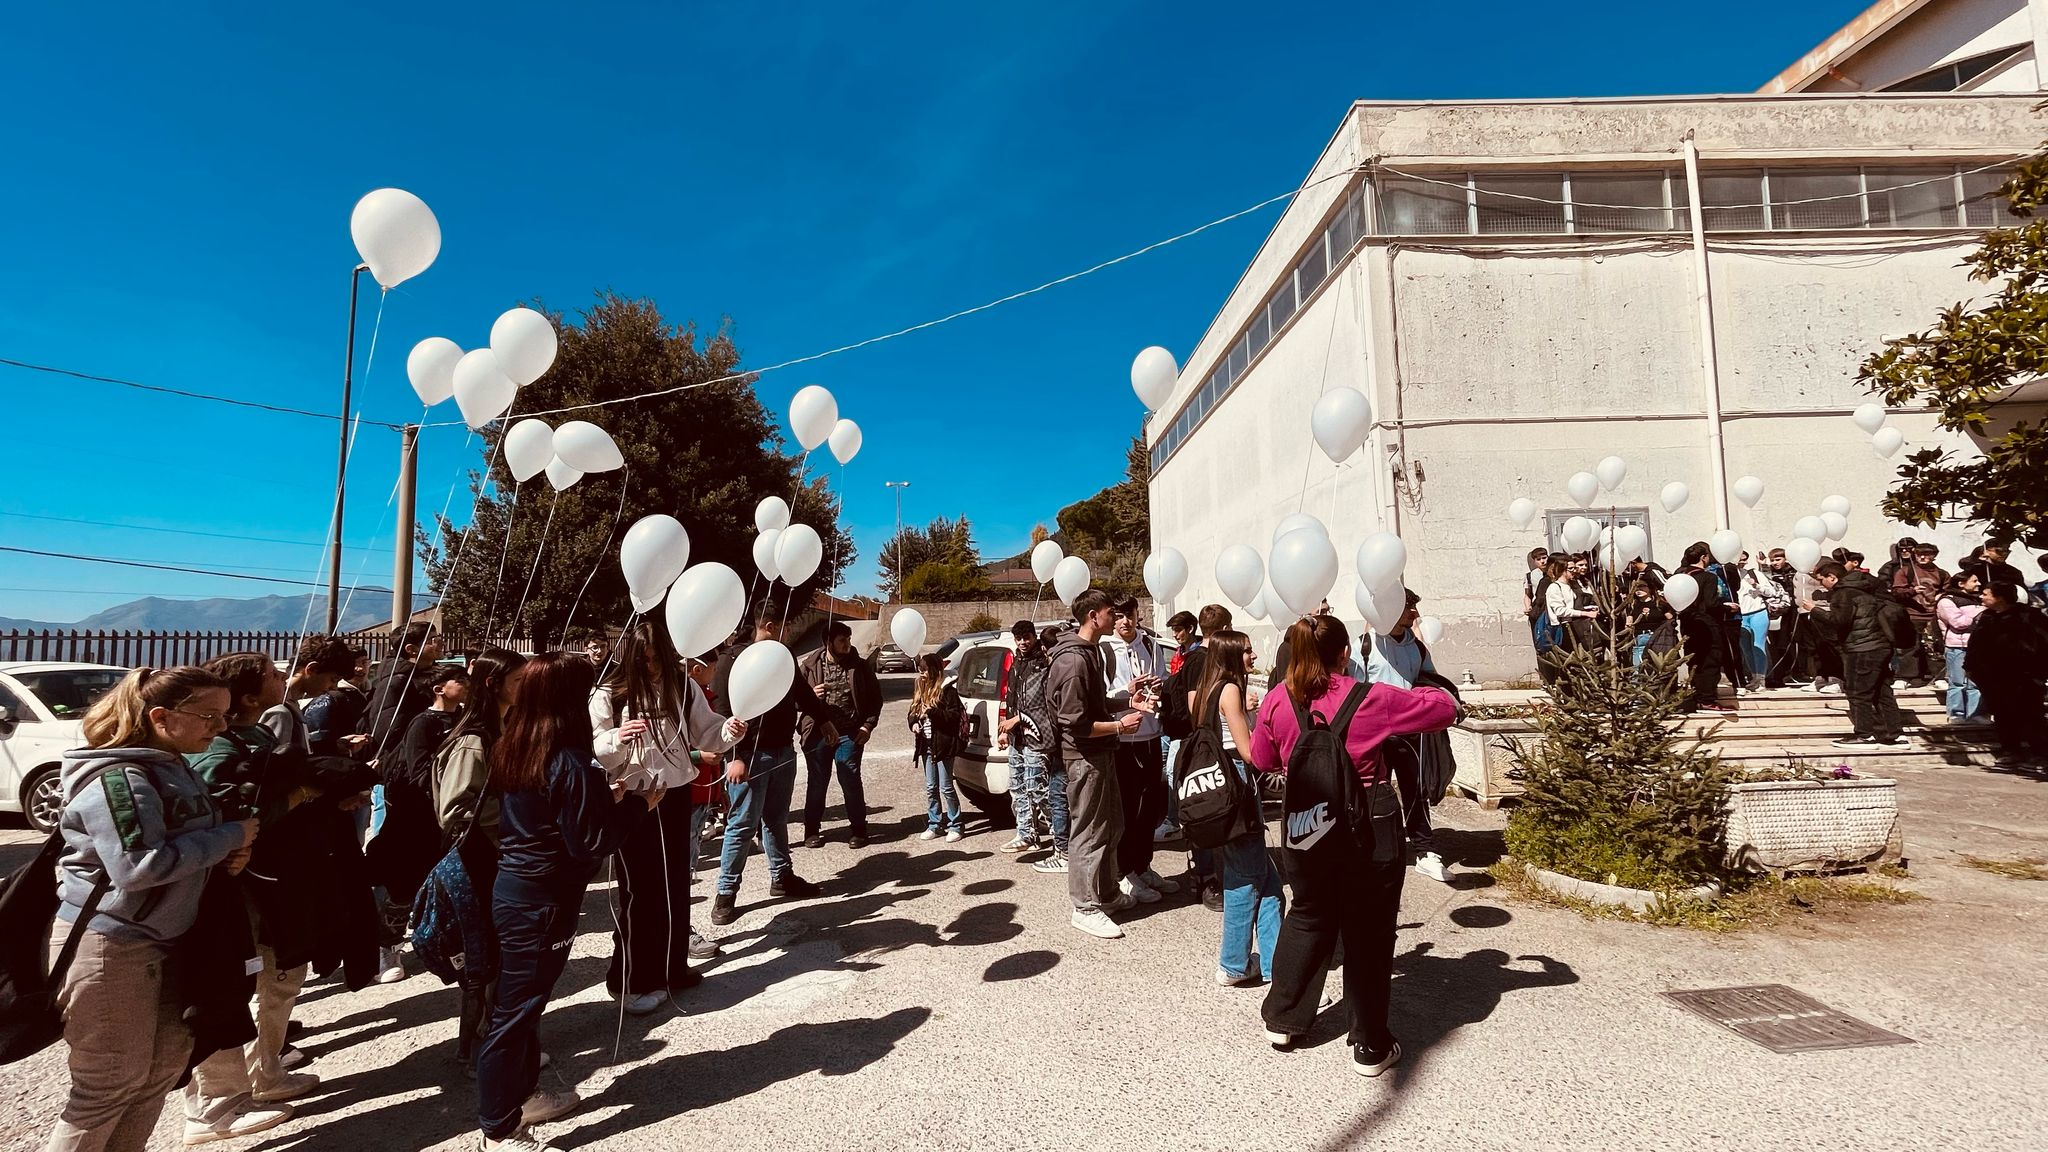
x: 996, y: 808
x: 42, y: 799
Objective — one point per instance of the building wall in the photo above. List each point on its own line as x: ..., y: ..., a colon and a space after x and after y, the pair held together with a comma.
x: 943, y: 621
x: 1938, y: 33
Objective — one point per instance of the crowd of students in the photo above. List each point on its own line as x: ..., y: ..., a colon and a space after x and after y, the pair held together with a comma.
x: 1977, y: 635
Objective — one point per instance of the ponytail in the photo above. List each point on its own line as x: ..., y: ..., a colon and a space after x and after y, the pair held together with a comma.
x: 1315, y: 645
x: 120, y: 719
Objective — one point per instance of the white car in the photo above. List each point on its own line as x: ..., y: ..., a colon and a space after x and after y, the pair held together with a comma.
x: 41, y: 706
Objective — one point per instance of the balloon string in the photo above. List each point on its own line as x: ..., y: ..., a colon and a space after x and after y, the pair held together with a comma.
x: 831, y: 557
x: 306, y: 621
x: 513, y: 624
x: 1309, y: 458
x: 377, y: 326
x: 625, y: 479
x: 511, y: 518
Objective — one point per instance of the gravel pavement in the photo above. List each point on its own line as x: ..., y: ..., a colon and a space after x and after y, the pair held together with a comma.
x: 935, y: 997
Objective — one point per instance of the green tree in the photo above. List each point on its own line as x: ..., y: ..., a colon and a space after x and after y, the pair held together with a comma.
x: 943, y: 542
x: 1112, y: 530
x: 1964, y: 367
x: 705, y: 455
x: 941, y: 580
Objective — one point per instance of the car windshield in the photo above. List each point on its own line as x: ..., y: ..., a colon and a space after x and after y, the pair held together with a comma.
x: 68, y: 692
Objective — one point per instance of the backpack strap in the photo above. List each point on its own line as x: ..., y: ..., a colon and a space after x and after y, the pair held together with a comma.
x: 1352, y: 702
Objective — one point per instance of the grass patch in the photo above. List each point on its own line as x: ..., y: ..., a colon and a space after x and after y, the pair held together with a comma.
x: 1747, y: 902
x: 2023, y: 868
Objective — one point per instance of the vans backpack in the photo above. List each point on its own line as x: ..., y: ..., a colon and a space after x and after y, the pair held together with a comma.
x: 1213, y: 795
x: 1324, y: 808
x: 30, y: 1020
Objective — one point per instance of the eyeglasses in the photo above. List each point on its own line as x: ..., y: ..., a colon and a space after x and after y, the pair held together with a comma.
x: 209, y: 717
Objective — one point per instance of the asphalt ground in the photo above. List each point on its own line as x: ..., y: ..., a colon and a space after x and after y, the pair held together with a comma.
x: 935, y: 997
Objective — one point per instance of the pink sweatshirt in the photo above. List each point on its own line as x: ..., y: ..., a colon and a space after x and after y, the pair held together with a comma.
x: 1387, y: 711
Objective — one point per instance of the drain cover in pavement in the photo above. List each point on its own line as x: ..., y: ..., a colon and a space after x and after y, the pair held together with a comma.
x: 1783, y: 1019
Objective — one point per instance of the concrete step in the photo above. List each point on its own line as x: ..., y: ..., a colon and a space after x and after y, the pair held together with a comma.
x: 1922, y: 750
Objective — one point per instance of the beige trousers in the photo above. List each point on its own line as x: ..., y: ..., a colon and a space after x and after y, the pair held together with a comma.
x: 222, y: 1083
x: 128, y: 1044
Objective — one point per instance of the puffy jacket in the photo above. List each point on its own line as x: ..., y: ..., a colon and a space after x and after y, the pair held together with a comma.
x: 1851, y: 612
x: 1958, y: 612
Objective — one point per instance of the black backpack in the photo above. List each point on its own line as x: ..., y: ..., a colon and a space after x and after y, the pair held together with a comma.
x: 1174, y: 718
x: 1325, y: 810
x: 1896, y: 624
x: 1213, y: 796
x: 30, y: 1020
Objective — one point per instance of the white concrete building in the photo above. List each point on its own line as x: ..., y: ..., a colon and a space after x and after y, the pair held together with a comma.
x: 1518, y: 289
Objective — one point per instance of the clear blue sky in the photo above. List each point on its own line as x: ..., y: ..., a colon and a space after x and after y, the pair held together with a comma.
x: 179, y: 179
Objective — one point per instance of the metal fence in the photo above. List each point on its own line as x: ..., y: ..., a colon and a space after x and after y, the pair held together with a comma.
x: 167, y: 649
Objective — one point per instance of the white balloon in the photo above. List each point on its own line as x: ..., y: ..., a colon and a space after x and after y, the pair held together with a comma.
x: 812, y: 413
x: 1297, y: 521
x: 1632, y: 542
x: 1582, y: 487
x: 1303, y: 570
x: 482, y: 390
x: 1071, y: 579
x: 1610, y: 472
x: 1680, y: 591
x: 907, y: 629
x: 1341, y: 420
x: 1836, y: 504
x: 654, y: 551
x: 771, y: 514
x: 529, y: 446
x: 1837, y: 524
x: 1674, y: 496
x: 704, y: 605
x: 561, y: 474
x: 587, y: 446
x: 1749, y: 490
x: 1381, y: 559
x: 1153, y: 374
x: 1166, y: 573
x: 1811, y: 528
x: 1802, y: 553
x: 1257, y: 608
x: 764, y: 553
x: 525, y: 344
x: 1045, y: 558
x: 759, y: 679
x: 845, y: 441
x: 1430, y: 629
x: 1726, y: 545
x: 1888, y: 441
x: 1522, y: 511
x: 1869, y: 416
x: 798, y: 551
x: 1381, y: 607
x: 1578, y: 533
x: 395, y: 234
x: 1240, y: 573
x: 431, y: 369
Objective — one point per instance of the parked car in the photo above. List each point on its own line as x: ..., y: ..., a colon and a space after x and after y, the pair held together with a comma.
x: 890, y: 658
x: 41, y: 706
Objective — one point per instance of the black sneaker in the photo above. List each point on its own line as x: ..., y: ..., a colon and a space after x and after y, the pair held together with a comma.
x: 1367, y: 1062
x: 1212, y: 896
x: 1893, y: 742
x: 689, y: 979
x: 857, y: 840
x: 790, y: 885
x: 722, y: 910
x: 814, y: 840
x: 1853, y: 742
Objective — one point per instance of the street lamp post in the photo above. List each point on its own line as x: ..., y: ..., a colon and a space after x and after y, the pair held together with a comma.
x: 899, y: 486
x: 348, y: 368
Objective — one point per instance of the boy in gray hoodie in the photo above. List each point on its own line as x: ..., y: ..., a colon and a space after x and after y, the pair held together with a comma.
x: 1085, y: 737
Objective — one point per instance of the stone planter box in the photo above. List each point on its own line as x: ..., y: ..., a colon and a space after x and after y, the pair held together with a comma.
x: 1640, y: 899
x: 1813, y: 825
x: 1482, y: 760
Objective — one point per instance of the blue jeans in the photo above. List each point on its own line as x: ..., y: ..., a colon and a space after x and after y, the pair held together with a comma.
x: 1756, y: 633
x: 1642, y: 645
x: 1027, y: 789
x: 938, y: 790
x: 1252, y: 904
x: 760, y: 804
x: 1056, y: 804
x: 1963, y: 697
x: 821, y: 760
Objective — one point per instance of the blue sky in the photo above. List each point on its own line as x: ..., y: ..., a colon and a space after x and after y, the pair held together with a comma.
x: 179, y: 180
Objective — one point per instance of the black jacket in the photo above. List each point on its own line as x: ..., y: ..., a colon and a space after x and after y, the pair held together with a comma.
x: 210, y: 971
x: 867, y: 693
x: 2008, y: 650
x: 399, y: 693
x: 551, y: 840
x: 1851, y: 613
x: 1079, y: 693
x: 944, y: 741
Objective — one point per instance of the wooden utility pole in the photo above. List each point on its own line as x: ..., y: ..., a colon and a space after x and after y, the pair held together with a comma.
x: 401, y: 564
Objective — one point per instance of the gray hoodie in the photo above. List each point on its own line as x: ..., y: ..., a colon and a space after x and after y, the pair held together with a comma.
x: 141, y: 819
x: 1078, y: 692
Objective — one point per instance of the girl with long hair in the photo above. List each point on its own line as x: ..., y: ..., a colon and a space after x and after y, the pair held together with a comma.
x: 935, y: 711
x: 652, y: 722
x: 559, y: 816
x: 1252, y: 901
x: 140, y: 836
x: 1347, y: 880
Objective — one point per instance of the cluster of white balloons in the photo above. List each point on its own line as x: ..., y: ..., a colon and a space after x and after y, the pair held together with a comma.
x: 483, y: 381
x: 566, y: 454
x: 784, y: 551
x: 814, y: 419
x: 703, y: 605
x: 1885, y: 441
x: 1069, y: 575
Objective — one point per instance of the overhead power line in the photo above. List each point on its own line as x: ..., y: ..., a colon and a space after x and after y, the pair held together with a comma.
x: 197, y: 532
x: 185, y: 393
x: 156, y: 567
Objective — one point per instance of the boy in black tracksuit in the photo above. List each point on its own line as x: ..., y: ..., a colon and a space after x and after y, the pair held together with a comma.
x: 1851, y: 614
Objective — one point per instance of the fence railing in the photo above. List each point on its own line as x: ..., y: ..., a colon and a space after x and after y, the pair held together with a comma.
x: 135, y: 649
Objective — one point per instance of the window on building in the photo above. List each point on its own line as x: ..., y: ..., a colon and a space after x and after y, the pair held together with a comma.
x: 1239, y: 357
x: 1951, y: 77
x: 1622, y: 201
x: 1519, y: 204
x: 1261, y: 330
x: 1283, y: 303
x: 1816, y: 198
x: 1732, y: 202
x: 1422, y: 208
x: 1343, y: 229
x: 1983, y: 207
x: 1554, y: 518
x: 1911, y: 197
x: 1309, y: 273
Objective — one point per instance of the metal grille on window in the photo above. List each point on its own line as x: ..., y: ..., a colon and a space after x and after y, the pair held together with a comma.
x: 1815, y: 198
x: 1983, y: 207
x: 1518, y: 204
x: 1732, y: 202
x: 1911, y: 197
x: 1418, y: 208
x: 1636, y: 199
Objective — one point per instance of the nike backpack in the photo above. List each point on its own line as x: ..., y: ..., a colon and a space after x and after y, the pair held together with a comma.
x: 1212, y: 794
x: 1323, y: 809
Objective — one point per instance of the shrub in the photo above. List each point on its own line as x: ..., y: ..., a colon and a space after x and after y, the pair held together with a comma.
x: 983, y: 622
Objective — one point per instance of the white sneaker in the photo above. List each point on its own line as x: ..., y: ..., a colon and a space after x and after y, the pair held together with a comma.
x: 1057, y: 862
x: 544, y: 1106
x: 519, y: 1141
x: 1135, y: 889
x: 1238, y: 981
x: 644, y: 1003
x: 288, y: 1087
x: 247, y: 1122
x: 1098, y: 925
x: 928, y: 834
x: 954, y: 836
x: 390, y: 966
x: 1432, y: 865
x: 1158, y: 883
x: 1938, y: 684
x: 1833, y: 686
x: 1898, y: 685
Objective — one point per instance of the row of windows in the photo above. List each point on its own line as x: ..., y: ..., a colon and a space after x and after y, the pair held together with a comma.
x: 1633, y: 201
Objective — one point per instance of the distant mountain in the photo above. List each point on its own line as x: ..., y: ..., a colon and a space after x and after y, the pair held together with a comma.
x: 220, y: 614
